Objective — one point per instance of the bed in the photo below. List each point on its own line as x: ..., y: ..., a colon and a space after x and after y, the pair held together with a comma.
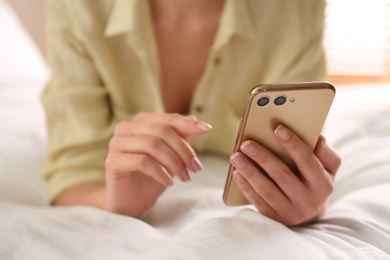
x: 190, y: 220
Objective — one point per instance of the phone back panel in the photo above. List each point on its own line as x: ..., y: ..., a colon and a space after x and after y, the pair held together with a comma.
x: 304, y: 112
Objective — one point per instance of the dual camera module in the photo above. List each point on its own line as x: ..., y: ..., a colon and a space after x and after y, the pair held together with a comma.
x: 278, y: 101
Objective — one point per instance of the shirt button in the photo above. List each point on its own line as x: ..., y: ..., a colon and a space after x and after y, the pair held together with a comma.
x: 198, y: 109
x: 217, y: 60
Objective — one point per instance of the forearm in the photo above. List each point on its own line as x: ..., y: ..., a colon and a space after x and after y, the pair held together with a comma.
x: 89, y: 194
x: 95, y: 195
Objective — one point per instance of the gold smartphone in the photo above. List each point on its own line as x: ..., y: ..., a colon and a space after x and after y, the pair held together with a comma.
x: 302, y: 107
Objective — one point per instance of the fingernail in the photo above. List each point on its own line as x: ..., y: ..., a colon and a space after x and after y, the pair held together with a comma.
x: 282, y: 133
x: 238, y: 176
x: 237, y: 160
x: 203, y: 126
x: 169, y: 181
x: 249, y: 148
x: 323, y: 143
x: 186, y: 176
x: 196, y: 165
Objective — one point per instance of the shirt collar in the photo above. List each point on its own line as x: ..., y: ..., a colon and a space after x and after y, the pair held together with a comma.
x: 127, y: 16
x: 236, y: 20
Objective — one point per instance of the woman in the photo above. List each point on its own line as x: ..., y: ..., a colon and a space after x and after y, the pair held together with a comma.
x: 135, y: 80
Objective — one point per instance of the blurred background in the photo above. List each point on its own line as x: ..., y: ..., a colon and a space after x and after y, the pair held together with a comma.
x: 357, y: 37
x: 32, y: 15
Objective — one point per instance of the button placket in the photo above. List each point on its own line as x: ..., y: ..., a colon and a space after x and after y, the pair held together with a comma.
x: 217, y: 60
x: 198, y: 109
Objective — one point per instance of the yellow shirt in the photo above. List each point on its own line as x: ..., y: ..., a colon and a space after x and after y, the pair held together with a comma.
x: 104, y: 61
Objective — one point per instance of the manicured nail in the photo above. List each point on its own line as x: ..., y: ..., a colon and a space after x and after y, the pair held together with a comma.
x: 249, y: 148
x: 169, y: 181
x: 323, y: 143
x: 238, y: 160
x: 186, y: 176
x: 282, y: 133
x: 196, y: 165
x: 237, y: 175
x: 204, y: 126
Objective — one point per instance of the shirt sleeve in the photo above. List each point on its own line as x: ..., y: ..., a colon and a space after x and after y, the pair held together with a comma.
x: 79, y: 118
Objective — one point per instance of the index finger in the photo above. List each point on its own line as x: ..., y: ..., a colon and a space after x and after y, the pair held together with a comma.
x: 183, y: 125
x: 307, y: 163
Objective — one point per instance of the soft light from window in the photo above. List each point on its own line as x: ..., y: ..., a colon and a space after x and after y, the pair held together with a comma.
x: 357, y: 37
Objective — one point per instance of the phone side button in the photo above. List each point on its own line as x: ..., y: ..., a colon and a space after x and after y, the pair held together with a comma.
x: 239, y: 127
x: 238, y: 139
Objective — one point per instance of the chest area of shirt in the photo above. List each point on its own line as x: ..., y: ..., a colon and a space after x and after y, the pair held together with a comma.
x: 182, y: 56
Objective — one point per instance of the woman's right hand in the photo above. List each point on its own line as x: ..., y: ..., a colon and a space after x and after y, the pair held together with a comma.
x: 144, y: 156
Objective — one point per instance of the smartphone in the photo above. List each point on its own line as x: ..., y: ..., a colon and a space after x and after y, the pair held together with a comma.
x: 301, y: 107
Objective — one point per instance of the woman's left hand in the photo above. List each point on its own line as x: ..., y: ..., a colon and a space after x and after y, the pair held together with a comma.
x: 280, y: 194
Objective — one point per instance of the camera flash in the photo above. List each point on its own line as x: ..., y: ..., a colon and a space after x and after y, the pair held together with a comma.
x: 292, y: 99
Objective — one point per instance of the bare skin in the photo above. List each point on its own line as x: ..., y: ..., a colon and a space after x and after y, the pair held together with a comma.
x: 136, y: 174
x: 184, y: 39
x: 144, y: 156
x: 287, y: 198
x: 146, y: 153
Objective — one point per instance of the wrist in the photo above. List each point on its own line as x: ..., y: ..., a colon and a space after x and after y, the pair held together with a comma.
x: 88, y: 194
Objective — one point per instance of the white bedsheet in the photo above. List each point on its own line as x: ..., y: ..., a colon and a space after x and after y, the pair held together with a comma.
x: 190, y: 221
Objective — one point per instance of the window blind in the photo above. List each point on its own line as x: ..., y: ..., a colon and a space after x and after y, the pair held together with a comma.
x: 357, y: 37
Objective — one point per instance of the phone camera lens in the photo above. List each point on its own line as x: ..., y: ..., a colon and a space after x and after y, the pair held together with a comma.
x: 263, y: 101
x: 280, y: 100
